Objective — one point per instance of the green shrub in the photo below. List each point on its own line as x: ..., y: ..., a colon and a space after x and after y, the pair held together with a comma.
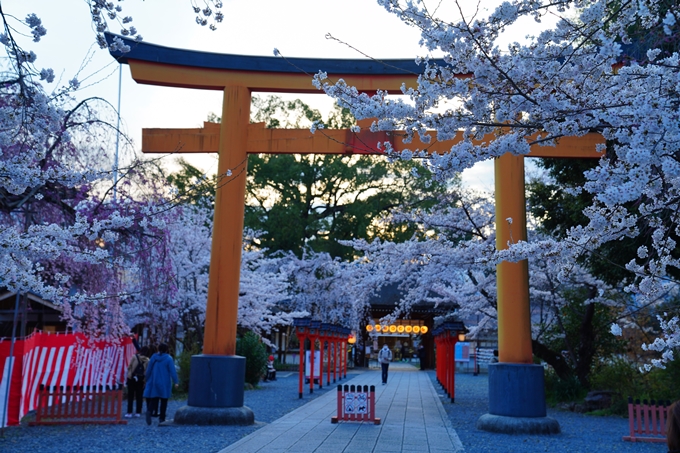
x: 184, y: 367
x: 621, y: 377
x: 250, y: 347
x: 562, y: 390
x: 662, y: 384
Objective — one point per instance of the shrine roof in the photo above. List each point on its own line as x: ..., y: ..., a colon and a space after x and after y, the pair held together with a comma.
x: 144, y: 51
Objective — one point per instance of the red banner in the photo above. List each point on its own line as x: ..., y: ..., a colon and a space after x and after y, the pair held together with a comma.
x: 56, y: 360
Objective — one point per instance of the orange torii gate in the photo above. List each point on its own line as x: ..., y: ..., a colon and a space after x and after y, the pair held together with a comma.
x: 217, y: 375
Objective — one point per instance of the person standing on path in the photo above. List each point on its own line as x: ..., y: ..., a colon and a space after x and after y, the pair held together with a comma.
x: 135, y: 382
x: 421, y: 356
x: 160, y: 375
x: 384, y: 357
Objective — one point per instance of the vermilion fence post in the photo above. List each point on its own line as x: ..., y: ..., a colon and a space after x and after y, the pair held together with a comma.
x: 648, y: 420
x: 312, y: 340
x: 356, y: 403
x: 302, y: 364
x: 79, y: 405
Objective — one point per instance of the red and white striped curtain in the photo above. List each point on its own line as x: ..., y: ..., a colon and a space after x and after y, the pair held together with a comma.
x: 56, y: 360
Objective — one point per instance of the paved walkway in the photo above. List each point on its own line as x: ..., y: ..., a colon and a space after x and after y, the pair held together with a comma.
x: 413, y: 420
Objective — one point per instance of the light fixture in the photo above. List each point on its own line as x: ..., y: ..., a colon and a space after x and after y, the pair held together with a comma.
x: 369, y: 328
x: 400, y: 329
x: 408, y: 329
x: 416, y: 329
x: 351, y: 339
x: 378, y: 327
x: 423, y: 330
x: 393, y: 329
x: 461, y: 336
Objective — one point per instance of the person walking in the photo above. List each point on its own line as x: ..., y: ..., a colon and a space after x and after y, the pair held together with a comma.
x: 421, y: 356
x: 160, y: 375
x: 135, y: 382
x: 384, y: 357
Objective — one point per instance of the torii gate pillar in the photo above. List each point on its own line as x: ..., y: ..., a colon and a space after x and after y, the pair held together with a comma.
x: 217, y: 376
x: 516, y: 385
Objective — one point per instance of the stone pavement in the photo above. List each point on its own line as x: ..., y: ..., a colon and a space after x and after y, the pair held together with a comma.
x: 413, y: 420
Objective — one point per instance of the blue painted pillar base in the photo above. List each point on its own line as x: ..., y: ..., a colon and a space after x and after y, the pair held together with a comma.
x: 216, y: 392
x: 517, y: 401
x: 217, y: 380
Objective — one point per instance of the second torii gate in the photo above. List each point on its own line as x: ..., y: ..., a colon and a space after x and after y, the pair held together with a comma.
x: 217, y: 375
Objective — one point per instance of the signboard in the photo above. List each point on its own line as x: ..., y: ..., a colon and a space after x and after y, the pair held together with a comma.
x: 317, y: 364
x: 462, y: 352
x: 356, y: 403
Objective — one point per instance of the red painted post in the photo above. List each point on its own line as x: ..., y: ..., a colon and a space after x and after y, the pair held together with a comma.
x: 341, y: 397
x: 438, y: 353
x: 344, y: 356
x: 328, y: 355
x: 447, y: 364
x: 321, y: 354
x: 301, y: 339
x: 312, y: 340
x: 371, y: 404
x: 335, y: 356
x: 451, y: 361
x: 454, y: 340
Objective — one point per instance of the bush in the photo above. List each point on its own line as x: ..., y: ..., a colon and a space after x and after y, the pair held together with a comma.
x: 621, y: 377
x: 250, y: 347
x: 184, y: 365
x: 562, y: 390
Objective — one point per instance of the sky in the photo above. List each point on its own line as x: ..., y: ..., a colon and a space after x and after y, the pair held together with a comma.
x: 297, y: 28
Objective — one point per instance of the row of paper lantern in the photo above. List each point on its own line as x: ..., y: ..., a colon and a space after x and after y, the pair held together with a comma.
x: 397, y: 329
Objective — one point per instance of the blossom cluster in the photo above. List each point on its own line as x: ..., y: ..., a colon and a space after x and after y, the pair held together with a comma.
x: 610, y: 68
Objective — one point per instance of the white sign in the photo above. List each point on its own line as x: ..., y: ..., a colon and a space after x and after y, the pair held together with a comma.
x: 356, y: 403
x: 317, y: 365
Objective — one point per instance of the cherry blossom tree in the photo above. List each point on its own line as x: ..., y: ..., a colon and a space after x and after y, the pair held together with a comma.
x: 449, y: 263
x: 66, y: 232
x: 598, y: 66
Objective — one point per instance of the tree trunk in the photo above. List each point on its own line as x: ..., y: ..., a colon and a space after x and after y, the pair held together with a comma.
x: 586, y: 349
x: 553, y: 359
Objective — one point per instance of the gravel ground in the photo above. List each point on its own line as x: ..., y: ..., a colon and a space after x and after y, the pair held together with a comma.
x: 269, y: 402
x: 580, y: 433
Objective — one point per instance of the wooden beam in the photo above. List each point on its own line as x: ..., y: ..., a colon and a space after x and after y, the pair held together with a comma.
x: 337, y: 141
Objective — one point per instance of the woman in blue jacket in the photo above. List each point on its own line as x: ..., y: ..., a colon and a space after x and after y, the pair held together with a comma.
x: 160, y: 375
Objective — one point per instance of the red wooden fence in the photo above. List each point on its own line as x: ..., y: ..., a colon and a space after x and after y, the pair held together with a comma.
x: 80, y: 405
x: 647, y: 422
x: 356, y: 404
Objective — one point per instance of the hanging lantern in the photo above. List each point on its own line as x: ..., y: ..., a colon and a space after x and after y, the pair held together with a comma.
x: 416, y: 329
x: 393, y: 329
x: 400, y: 329
x: 423, y: 330
x: 369, y: 328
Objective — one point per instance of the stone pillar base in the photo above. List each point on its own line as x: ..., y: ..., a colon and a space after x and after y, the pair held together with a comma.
x: 217, y: 381
x: 517, y: 401
x: 518, y: 425
x: 188, y: 415
x: 216, y: 392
